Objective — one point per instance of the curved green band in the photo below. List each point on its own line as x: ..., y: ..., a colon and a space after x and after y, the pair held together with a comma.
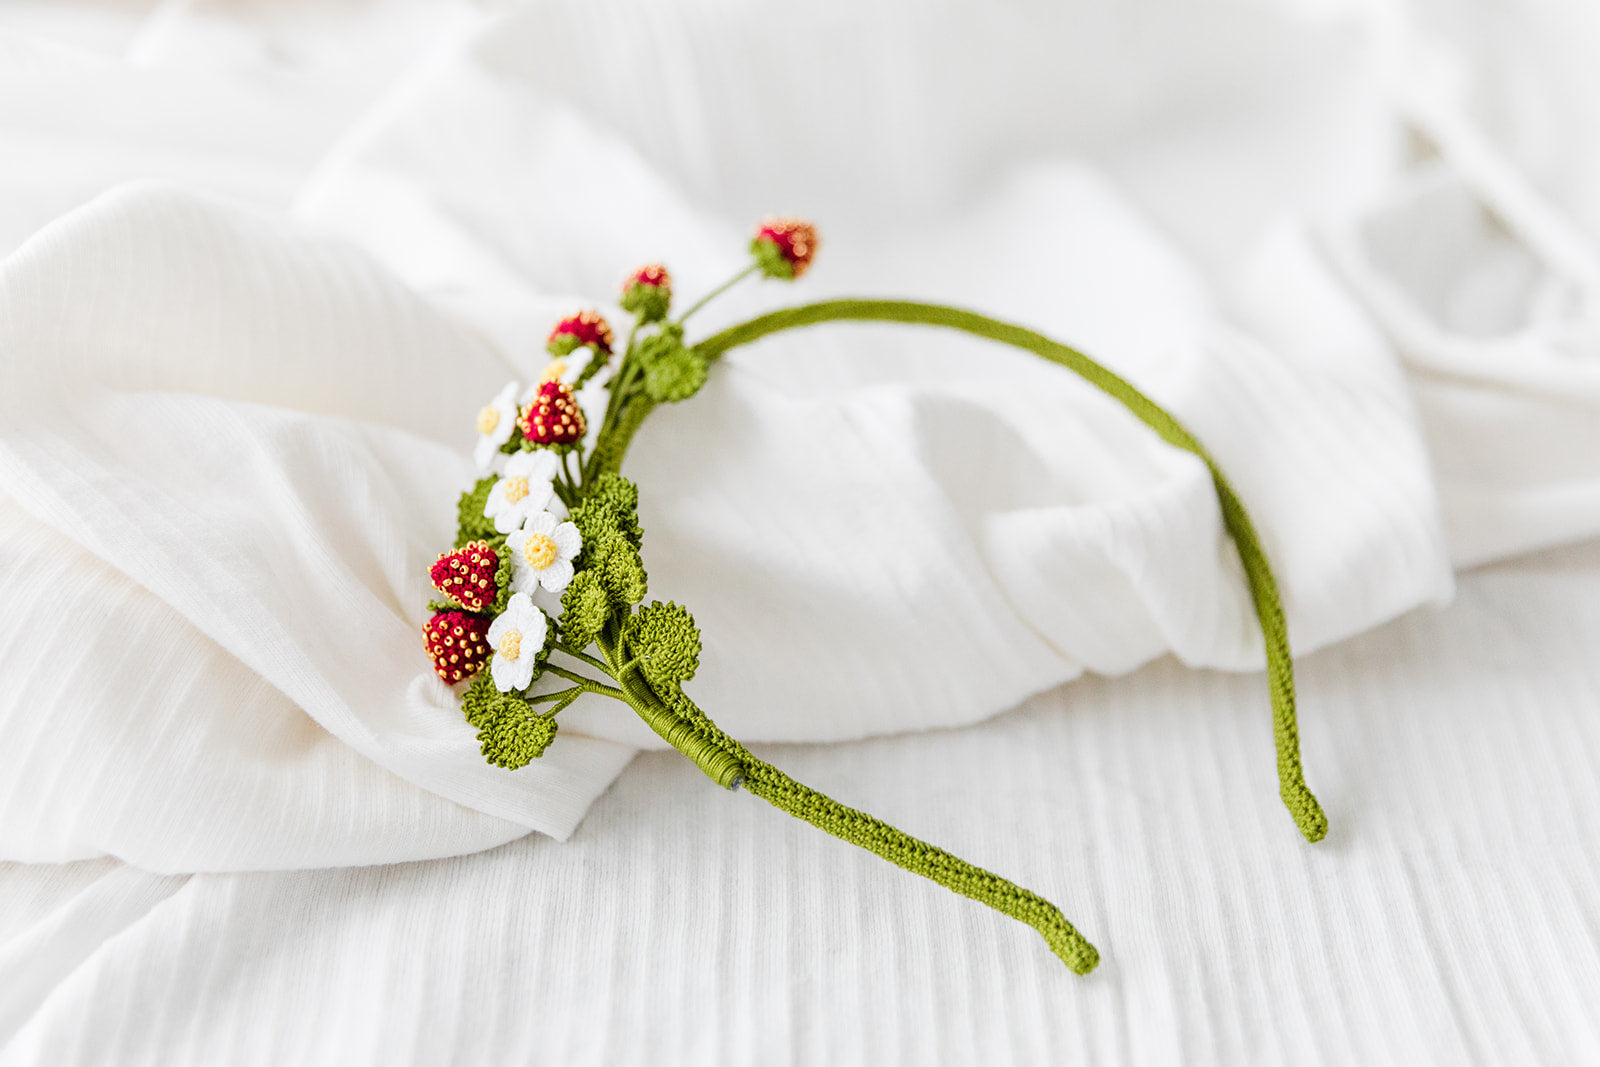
x: 728, y: 763
x: 1297, y: 797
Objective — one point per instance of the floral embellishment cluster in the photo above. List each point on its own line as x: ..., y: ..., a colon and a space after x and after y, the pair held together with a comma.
x: 543, y: 592
x: 547, y: 560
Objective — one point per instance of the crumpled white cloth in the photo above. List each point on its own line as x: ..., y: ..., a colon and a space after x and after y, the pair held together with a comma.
x: 1447, y: 919
x: 1351, y: 243
x: 255, y: 427
x: 231, y: 443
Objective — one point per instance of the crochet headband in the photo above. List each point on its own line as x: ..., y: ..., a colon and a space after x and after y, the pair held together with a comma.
x: 545, y: 588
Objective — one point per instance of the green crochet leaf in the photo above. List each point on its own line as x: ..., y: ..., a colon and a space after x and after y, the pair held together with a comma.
x: 771, y: 259
x: 585, y: 607
x: 666, y: 643
x: 483, y: 703
x: 471, y: 525
x: 622, y: 573
x: 610, y: 505
x: 617, y: 569
x: 517, y: 740
x: 608, y: 522
x: 511, y: 733
x: 672, y: 370
x: 597, y: 528
x: 609, y: 512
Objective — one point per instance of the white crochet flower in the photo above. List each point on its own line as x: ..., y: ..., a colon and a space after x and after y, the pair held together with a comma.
x: 542, y: 553
x: 496, y: 421
x: 517, y: 638
x: 523, y: 489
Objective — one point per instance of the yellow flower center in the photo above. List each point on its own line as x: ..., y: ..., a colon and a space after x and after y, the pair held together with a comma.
x: 488, y: 419
x: 540, y: 551
x: 516, y: 489
x: 511, y: 644
x: 555, y: 370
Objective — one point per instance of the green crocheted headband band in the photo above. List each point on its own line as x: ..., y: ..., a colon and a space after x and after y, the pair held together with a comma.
x: 552, y: 512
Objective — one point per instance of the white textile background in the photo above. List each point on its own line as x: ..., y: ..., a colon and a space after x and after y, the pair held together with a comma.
x: 259, y: 280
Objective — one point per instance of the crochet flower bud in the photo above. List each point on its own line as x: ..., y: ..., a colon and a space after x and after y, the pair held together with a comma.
x: 554, y: 417
x: 647, y: 292
x: 585, y: 329
x: 467, y: 575
x: 784, y: 247
x: 457, y: 643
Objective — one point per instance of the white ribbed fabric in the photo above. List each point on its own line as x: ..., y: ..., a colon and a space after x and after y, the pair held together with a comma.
x: 180, y: 405
x: 161, y: 351
x: 1361, y: 265
x: 1448, y: 919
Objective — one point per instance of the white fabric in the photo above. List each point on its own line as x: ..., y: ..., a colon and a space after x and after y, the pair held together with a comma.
x: 1334, y: 238
x: 1447, y: 919
x: 945, y: 546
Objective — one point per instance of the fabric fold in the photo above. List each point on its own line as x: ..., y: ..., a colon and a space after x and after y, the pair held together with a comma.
x: 176, y: 422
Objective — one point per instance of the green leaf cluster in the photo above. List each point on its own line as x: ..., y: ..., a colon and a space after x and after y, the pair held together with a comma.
x: 672, y: 370
x: 517, y: 740
x: 510, y: 733
x: 621, y: 573
x: 664, y: 642
x: 585, y: 607
x: 610, y: 575
x: 610, y: 506
x: 471, y: 524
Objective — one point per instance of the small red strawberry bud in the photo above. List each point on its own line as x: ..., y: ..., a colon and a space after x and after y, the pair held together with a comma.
x: 784, y: 247
x: 554, y: 417
x: 467, y: 575
x: 576, y: 331
x: 457, y: 643
x: 647, y: 292
x: 653, y: 275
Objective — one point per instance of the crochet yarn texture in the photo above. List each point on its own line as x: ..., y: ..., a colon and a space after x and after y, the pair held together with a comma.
x: 576, y: 589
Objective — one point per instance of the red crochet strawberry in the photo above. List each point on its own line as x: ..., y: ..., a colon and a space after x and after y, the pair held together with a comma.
x: 554, y: 417
x: 467, y: 575
x: 457, y: 643
x: 784, y: 247
x: 586, y: 328
x: 647, y: 292
x: 653, y: 275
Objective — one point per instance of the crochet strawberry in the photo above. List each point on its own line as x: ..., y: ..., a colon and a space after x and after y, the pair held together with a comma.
x: 467, y: 575
x: 457, y: 643
x: 647, y: 292
x: 784, y: 247
x: 554, y: 417
x: 586, y: 328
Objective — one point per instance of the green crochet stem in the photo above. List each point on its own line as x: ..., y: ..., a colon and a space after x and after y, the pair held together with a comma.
x: 1297, y: 797
x: 728, y: 763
